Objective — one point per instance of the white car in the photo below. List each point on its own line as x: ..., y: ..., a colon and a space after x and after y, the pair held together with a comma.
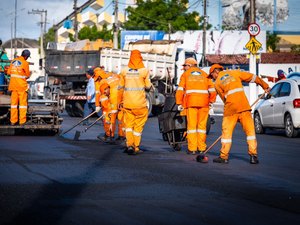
x: 280, y: 109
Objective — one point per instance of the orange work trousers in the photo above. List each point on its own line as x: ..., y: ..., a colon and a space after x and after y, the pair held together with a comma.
x: 18, y: 99
x: 134, y: 121
x: 196, y: 128
x: 121, y: 128
x: 228, y: 125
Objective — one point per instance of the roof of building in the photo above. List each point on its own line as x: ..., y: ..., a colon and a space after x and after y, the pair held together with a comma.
x: 21, y: 43
x: 266, y: 58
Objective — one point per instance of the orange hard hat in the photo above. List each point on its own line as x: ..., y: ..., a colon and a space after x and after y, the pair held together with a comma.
x: 190, y: 61
x: 215, y: 66
x: 103, y: 87
x: 98, y: 72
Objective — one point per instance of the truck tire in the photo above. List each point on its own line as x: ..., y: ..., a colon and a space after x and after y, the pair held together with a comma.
x: 149, y: 103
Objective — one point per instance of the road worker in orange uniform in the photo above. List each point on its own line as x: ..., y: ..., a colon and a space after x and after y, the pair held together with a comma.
x: 134, y: 81
x: 228, y: 85
x: 112, y: 80
x: 19, y: 73
x: 195, y: 93
x: 105, y: 105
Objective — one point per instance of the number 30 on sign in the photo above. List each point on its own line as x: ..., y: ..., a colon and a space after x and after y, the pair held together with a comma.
x: 253, y: 29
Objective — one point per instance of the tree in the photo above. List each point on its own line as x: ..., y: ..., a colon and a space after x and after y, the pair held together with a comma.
x: 162, y: 15
x: 49, y: 37
x: 295, y: 49
x: 272, y: 41
x: 92, y: 33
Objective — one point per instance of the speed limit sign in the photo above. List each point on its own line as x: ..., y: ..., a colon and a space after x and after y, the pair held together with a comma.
x: 253, y: 29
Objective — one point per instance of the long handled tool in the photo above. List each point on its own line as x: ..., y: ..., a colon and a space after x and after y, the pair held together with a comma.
x: 79, y: 122
x: 77, y: 133
x: 202, y: 157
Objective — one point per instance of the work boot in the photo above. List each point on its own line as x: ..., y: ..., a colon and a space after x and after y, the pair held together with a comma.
x: 191, y: 152
x: 220, y: 160
x: 120, y: 139
x: 254, y: 159
x: 13, y: 124
x: 130, y: 150
x: 137, y: 150
x: 104, y: 138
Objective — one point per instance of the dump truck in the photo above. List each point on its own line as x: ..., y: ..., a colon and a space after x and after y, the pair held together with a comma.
x: 66, y: 71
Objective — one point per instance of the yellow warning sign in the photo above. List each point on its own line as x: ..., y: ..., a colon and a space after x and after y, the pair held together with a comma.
x: 253, y: 45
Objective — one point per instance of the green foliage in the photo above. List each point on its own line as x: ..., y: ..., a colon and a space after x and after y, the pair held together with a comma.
x: 48, y: 37
x: 165, y: 15
x: 272, y: 41
x: 92, y: 33
x: 295, y: 49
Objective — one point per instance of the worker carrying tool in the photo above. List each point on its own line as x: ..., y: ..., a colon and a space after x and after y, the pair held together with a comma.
x: 228, y: 84
x: 134, y: 80
x: 19, y: 73
x: 196, y: 93
x: 115, y: 114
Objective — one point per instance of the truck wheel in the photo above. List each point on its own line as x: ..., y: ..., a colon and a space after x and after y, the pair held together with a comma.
x: 149, y: 104
x: 70, y: 109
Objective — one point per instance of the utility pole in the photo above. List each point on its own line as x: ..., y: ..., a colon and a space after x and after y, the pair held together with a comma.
x: 41, y: 12
x: 116, y: 25
x: 75, y: 20
x: 204, y: 34
x: 252, y: 59
x: 15, y: 31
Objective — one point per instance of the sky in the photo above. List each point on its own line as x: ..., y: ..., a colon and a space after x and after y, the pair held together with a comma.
x: 28, y: 24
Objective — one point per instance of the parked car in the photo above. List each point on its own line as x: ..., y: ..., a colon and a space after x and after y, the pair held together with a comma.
x: 280, y: 109
x: 39, y: 84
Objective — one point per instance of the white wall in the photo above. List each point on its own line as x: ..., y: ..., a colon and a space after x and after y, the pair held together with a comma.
x: 34, y: 58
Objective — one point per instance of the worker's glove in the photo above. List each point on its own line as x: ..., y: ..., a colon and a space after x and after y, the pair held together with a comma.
x: 98, y: 109
x: 180, y: 108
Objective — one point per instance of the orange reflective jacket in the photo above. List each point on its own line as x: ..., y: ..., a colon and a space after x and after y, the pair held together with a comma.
x: 195, y: 89
x: 134, y: 79
x: 19, y: 73
x: 230, y: 88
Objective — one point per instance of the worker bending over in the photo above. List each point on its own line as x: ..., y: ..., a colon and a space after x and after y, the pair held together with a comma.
x: 228, y: 85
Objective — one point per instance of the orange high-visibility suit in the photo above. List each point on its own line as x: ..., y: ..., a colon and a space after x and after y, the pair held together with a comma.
x: 112, y: 80
x: 133, y: 82
x: 19, y: 73
x: 105, y: 105
x: 196, y: 92
x: 236, y: 108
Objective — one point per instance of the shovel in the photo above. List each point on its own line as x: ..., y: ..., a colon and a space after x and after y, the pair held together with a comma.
x: 78, y: 133
x: 79, y: 123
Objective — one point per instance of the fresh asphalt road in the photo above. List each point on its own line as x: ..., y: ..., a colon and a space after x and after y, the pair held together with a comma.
x: 57, y: 180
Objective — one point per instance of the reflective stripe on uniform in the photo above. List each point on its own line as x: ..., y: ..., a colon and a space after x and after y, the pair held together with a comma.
x: 103, y: 99
x: 13, y: 106
x: 201, y: 131
x: 22, y: 106
x: 180, y: 89
x: 197, y: 91
x: 251, y: 138
x: 97, y: 92
x: 211, y: 90
x: 128, y: 129
x: 234, y: 91
x: 120, y: 87
x: 114, y: 111
x: 253, y: 78
x: 137, y: 133
x: 191, y: 131
x: 134, y: 89
x: 223, y: 140
x: 18, y: 76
